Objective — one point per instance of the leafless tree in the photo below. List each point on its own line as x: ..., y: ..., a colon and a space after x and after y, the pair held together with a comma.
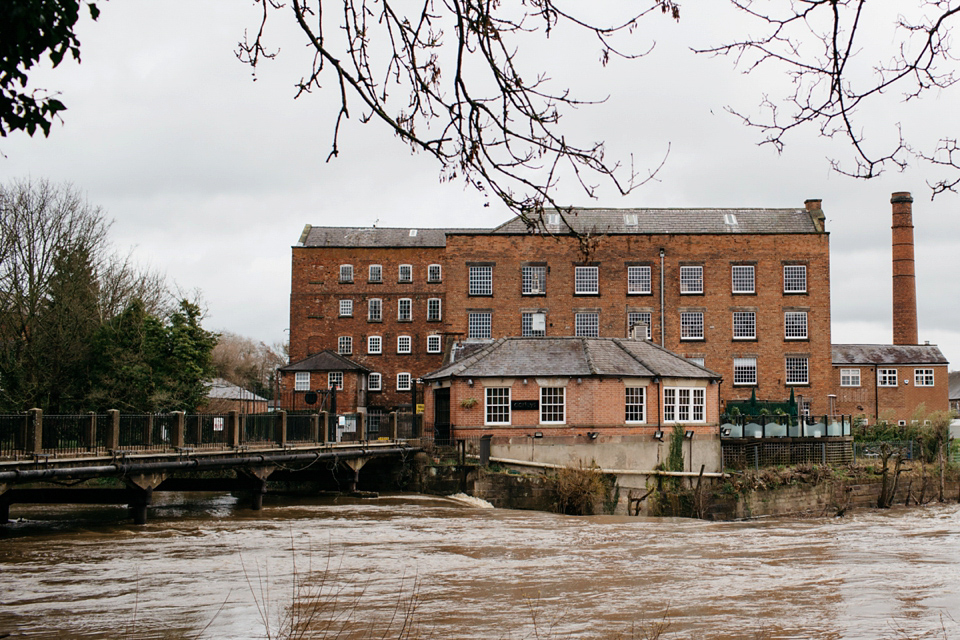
x: 245, y: 362
x: 842, y: 61
x: 446, y: 76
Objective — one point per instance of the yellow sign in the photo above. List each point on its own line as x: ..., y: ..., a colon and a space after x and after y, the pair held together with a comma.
x: 419, y: 408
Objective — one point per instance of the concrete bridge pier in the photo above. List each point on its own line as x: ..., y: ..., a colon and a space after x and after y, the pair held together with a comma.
x: 355, y: 464
x: 141, y: 487
x: 258, y: 477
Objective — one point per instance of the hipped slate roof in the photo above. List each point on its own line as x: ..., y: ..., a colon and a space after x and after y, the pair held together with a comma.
x: 582, y: 357
x: 220, y: 389
x: 887, y: 354
x: 324, y: 361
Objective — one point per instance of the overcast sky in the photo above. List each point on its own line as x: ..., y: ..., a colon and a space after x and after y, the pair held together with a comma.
x: 211, y: 176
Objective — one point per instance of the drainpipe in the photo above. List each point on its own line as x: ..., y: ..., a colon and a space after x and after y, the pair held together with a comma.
x: 662, y: 330
x: 876, y: 395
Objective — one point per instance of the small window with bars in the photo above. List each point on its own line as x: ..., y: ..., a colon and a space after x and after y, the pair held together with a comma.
x: 533, y: 281
x: 433, y: 310
x: 795, y: 325
x: 745, y: 371
x: 691, y: 325
x: 587, y: 280
x: 346, y: 273
x: 404, y: 344
x: 634, y: 404
x: 691, y: 280
x: 639, y: 317
x: 744, y: 325
x: 798, y: 371
x: 587, y: 325
x: 552, y: 405
x: 374, y: 310
x: 743, y: 278
x: 434, y: 273
x: 346, y: 308
x: 638, y: 280
x: 345, y: 345
x: 794, y: 278
x: 481, y: 281
x: 405, y: 273
x: 480, y: 325
x: 527, y: 329
x: 434, y: 344
x: 404, y: 310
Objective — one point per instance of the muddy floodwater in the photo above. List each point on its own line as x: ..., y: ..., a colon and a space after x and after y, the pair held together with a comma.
x: 204, y: 566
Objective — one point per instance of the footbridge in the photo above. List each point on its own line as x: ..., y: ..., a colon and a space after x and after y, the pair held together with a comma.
x: 65, y: 459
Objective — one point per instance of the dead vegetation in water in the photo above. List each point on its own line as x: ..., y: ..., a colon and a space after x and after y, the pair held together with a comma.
x: 582, y: 491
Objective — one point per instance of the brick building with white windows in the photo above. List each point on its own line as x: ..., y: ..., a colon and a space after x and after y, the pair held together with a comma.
x: 743, y: 292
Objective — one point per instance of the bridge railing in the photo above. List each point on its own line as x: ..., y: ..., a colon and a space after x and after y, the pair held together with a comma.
x: 13, y: 428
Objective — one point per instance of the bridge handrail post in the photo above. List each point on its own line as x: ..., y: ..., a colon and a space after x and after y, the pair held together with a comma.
x: 362, y: 426
x: 393, y: 425
x: 34, y: 443
x: 91, y: 434
x: 315, y: 427
x: 179, y: 427
x: 324, y: 427
x: 281, y: 429
x: 233, y: 428
x: 113, y: 429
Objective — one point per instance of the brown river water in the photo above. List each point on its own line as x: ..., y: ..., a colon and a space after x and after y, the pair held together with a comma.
x: 203, y: 567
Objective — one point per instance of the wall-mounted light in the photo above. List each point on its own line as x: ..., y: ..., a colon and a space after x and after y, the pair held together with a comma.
x: 592, y: 435
x: 524, y: 381
x: 725, y: 432
x: 688, y: 435
x: 579, y: 380
x: 470, y: 382
x: 538, y: 434
x: 658, y: 435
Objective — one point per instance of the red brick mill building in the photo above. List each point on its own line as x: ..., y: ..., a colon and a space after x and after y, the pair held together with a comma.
x: 742, y: 292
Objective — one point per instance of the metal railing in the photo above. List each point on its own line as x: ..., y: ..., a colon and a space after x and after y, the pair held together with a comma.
x: 744, y: 454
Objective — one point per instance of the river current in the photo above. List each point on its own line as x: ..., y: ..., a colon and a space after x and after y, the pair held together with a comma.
x: 203, y: 567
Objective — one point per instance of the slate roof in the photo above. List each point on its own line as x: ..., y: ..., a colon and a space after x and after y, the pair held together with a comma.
x: 372, y: 237
x: 656, y: 221
x: 324, y: 361
x: 220, y: 389
x: 887, y: 354
x: 954, y: 377
x: 565, y: 356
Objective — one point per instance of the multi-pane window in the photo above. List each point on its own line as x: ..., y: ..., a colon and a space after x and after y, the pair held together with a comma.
x: 743, y: 278
x: 374, y: 382
x: 745, y: 371
x: 638, y: 279
x: 404, y: 344
x: 794, y: 278
x: 639, y: 317
x: 849, y: 377
x: 405, y: 273
x: 587, y: 325
x: 374, y: 310
x: 346, y: 308
x: 744, y: 325
x: 887, y: 377
x: 691, y: 279
x: 335, y: 380
x: 434, y: 273
x: 586, y: 280
x: 374, y: 345
x: 697, y: 360
x: 346, y: 273
x: 923, y: 377
x: 533, y: 280
x: 527, y: 329
x: 433, y: 344
x: 552, y: 405
x: 798, y: 371
x: 375, y: 273
x: 681, y: 404
x: 691, y: 325
x: 345, y: 345
x: 403, y: 382
x: 497, y: 405
x: 480, y: 325
x: 404, y: 309
x: 481, y: 281
x: 795, y: 324
x: 635, y: 401
x: 433, y: 309
x: 301, y: 381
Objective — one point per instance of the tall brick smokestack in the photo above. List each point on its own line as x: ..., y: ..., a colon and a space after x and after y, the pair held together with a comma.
x: 904, y: 276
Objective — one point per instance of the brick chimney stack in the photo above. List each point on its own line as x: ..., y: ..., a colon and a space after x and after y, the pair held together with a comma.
x: 904, y: 276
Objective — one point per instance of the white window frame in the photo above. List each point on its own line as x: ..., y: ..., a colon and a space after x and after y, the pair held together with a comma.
x: 480, y: 325
x: 375, y: 273
x: 638, y: 404
x: 526, y: 326
x: 849, y: 377
x: 739, y: 278
x: 434, y: 273
x: 795, y: 325
x: 434, y: 310
x: 345, y: 345
x: 533, y: 280
x: 301, y: 381
x: 404, y: 381
x: 374, y: 345
x: 501, y: 406
x: 888, y: 378
x: 335, y: 378
x: 691, y: 325
x: 434, y: 344
x: 374, y: 310
x: 404, y: 344
x: 639, y: 280
x: 405, y: 277
x: 799, y: 372
x: 346, y: 308
x: 691, y: 280
x: 405, y: 310
x: 480, y: 281
x: 923, y: 378
x: 744, y: 325
x: 374, y: 382
x: 346, y: 273
x: 640, y: 317
x: 794, y: 278
x: 549, y: 403
x: 683, y: 405
x: 587, y: 324
x: 745, y: 371
x: 586, y: 281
